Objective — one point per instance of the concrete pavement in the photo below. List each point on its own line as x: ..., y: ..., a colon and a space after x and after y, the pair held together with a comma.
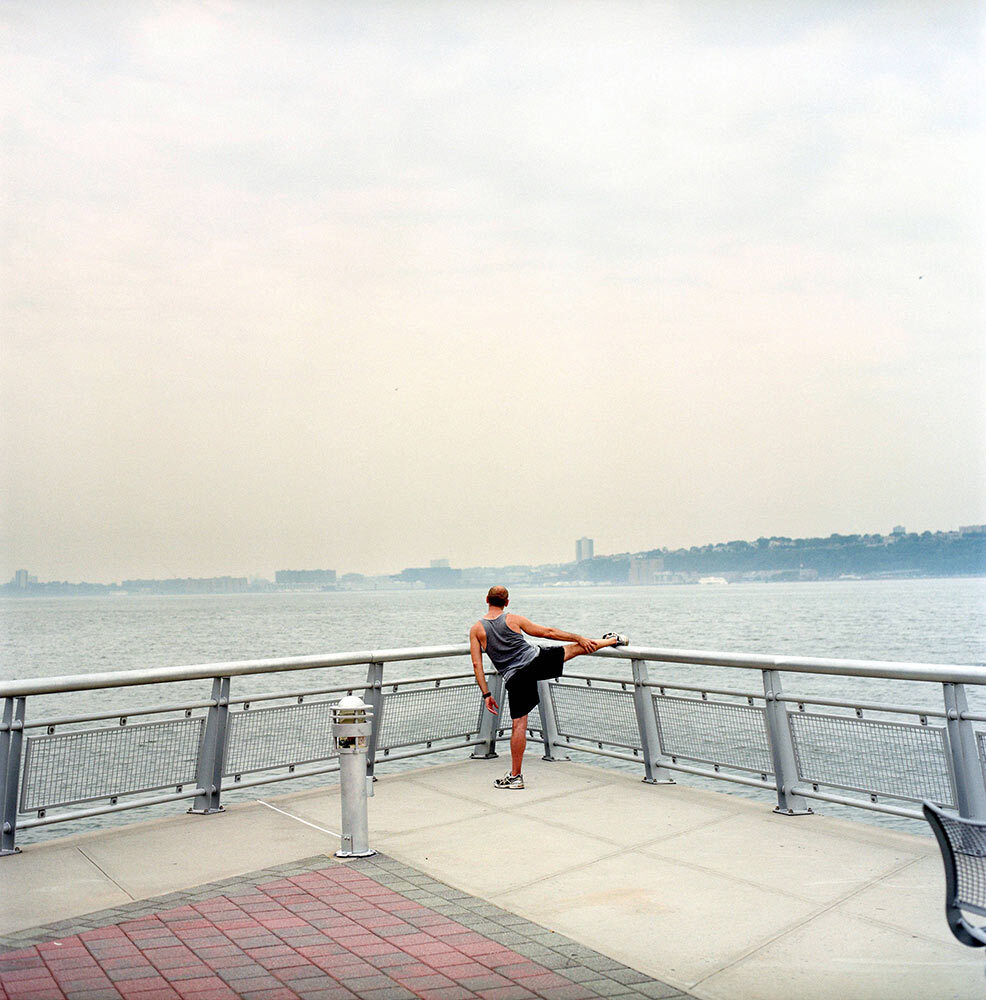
x: 710, y: 893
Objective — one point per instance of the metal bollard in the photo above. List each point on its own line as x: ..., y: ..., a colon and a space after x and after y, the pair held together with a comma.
x: 351, y: 730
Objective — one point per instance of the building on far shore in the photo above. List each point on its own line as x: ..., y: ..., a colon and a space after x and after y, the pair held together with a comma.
x: 305, y: 579
x: 583, y: 549
x: 646, y: 571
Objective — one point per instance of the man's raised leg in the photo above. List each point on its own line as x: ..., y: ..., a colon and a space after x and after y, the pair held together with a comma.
x: 574, y: 649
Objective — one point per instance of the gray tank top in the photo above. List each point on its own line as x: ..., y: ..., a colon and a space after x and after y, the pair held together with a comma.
x: 508, y: 650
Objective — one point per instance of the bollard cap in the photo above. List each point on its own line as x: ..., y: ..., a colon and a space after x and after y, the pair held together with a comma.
x: 350, y: 710
x: 351, y: 725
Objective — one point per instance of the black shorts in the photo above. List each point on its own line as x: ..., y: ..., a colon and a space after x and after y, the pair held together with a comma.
x: 522, y: 688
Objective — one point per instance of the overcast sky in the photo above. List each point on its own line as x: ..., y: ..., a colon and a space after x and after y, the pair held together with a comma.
x: 360, y: 285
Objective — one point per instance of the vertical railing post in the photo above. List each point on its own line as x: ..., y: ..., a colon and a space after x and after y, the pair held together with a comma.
x: 488, y: 722
x: 11, y: 738
x: 549, y: 727
x: 969, y: 788
x: 212, y: 753
x: 643, y: 705
x: 373, y: 697
x: 782, y: 749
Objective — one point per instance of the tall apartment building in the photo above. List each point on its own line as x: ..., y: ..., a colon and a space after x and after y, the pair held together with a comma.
x: 583, y: 549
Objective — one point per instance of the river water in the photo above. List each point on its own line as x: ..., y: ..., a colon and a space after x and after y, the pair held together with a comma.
x: 930, y: 621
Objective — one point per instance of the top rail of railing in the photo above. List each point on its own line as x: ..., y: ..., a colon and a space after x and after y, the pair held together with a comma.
x: 935, y: 672
x: 942, y: 673
x: 234, y: 668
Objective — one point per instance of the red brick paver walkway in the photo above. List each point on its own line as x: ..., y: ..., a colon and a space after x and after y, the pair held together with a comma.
x: 330, y: 934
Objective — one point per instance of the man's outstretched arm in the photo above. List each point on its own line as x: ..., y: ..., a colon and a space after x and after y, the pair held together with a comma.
x: 546, y: 632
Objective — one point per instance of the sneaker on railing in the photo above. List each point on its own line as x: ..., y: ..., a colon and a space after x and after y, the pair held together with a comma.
x: 510, y: 781
x: 621, y: 640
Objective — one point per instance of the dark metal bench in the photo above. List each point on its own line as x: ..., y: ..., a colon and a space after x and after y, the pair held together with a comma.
x: 963, y: 848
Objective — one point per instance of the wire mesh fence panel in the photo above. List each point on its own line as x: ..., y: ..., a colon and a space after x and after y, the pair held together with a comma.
x: 91, y: 764
x: 426, y: 715
x: 895, y: 759
x: 283, y: 736
x: 504, y: 724
x: 720, y: 733
x: 601, y: 715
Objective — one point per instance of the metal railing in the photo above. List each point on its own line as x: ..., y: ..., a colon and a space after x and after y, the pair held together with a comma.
x: 875, y: 755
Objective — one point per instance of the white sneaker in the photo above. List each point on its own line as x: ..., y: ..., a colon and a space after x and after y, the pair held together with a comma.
x: 510, y: 781
x: 621, y: 640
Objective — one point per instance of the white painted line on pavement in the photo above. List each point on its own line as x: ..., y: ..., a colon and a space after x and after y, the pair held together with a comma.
x: 314, y: 826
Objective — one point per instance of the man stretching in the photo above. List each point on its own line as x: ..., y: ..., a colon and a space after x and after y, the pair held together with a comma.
x: 522, y: 664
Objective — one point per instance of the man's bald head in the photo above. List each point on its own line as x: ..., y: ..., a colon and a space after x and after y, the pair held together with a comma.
x: 497, y: 597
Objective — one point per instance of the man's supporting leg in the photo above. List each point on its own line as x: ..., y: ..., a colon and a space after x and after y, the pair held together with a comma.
x: 518, y: 744
x: 574, y: 649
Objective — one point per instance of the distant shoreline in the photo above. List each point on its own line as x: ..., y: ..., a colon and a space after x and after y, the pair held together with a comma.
x: 778, y: 559
x: 39, y: 594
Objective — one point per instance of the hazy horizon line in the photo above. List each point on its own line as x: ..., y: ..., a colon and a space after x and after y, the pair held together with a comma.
x: 535, y: 565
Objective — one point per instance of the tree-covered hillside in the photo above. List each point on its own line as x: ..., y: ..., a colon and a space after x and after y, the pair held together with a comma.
x: 928, y: 554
